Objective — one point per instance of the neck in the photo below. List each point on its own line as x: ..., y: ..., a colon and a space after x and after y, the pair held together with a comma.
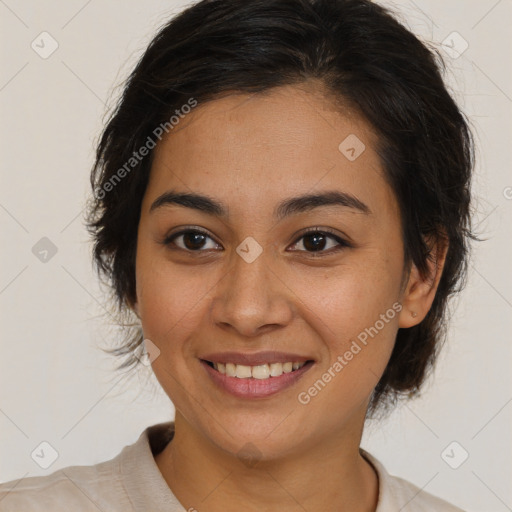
x: 330, y: 476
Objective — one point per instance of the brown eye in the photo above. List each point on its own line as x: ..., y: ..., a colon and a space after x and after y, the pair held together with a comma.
x: 320, y: 242
x: 190, y: 240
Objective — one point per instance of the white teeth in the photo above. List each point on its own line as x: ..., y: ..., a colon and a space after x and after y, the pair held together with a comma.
x: 261, y: 372
x: 231, y: 370
x: 276, y: 369
x: 243, y: 372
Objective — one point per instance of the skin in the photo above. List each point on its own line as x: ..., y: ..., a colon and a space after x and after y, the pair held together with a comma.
x: 251, y: 152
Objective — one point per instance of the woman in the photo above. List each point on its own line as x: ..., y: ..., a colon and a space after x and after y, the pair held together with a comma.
x: 282, y: 200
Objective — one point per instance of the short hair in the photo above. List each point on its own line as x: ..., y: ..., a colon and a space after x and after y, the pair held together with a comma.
x: 360, y: 54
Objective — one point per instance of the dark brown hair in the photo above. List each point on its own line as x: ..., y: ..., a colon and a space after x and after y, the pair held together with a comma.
x: 360, y: 54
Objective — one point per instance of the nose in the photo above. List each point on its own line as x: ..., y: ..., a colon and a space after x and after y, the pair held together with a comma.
x: 252, y: 298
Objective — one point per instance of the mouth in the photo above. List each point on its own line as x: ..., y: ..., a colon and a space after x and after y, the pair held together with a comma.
x: 255, y: 381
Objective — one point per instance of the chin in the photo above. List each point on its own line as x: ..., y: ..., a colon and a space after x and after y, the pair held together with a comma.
x: 255, y: 437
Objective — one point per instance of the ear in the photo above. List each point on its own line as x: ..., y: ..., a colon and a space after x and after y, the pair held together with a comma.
x: 420, y: 291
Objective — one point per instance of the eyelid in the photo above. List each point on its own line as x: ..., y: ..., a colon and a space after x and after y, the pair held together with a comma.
x: 343, y: 242
x: 340, y: 237
x: 187, y: 229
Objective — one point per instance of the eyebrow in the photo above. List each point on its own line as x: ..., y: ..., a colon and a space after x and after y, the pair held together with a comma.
x: 291, y: 206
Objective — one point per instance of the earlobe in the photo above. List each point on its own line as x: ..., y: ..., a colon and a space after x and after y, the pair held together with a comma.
x: 421, y: 289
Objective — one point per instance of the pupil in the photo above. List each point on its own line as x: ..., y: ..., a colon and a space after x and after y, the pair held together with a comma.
x: 315, y: 245
x: 196, y: 238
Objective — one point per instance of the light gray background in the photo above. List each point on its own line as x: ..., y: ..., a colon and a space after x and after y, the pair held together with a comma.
x: 55, y: 383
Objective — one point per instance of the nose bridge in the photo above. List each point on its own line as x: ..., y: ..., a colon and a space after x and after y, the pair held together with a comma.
x: 250, y: 265
x: 251, y: 296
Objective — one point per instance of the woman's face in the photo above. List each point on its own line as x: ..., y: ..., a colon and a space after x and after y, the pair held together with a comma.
x: 257, y: 282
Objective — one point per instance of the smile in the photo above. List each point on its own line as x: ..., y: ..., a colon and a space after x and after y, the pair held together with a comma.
x: 255, y: 381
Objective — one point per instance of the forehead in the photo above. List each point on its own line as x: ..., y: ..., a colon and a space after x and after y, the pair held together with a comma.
x: 256, y: 148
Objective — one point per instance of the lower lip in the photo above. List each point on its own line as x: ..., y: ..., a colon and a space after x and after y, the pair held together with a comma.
x: 255, y: 388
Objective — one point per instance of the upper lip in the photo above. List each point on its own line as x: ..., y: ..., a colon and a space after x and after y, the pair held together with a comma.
x: 255, y: 359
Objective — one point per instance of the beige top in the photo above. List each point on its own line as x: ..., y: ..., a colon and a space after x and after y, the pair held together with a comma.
x: 132, y: 482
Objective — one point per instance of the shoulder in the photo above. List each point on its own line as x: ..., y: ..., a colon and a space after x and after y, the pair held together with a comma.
x: 414, y: 499
x: 130, y: 482
x: 395, y: 493
x: 77, y: 488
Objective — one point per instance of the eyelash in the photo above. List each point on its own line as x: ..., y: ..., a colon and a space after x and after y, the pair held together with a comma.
x: 313, y: 231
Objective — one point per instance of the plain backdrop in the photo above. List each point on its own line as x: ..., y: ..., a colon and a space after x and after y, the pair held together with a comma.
x: 57, y: 386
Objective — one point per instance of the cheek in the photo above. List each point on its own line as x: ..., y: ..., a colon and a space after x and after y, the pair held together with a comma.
x: 171, y: 304
x: 168, y: 298
x: 348, y: 298
x: 354, y: 310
